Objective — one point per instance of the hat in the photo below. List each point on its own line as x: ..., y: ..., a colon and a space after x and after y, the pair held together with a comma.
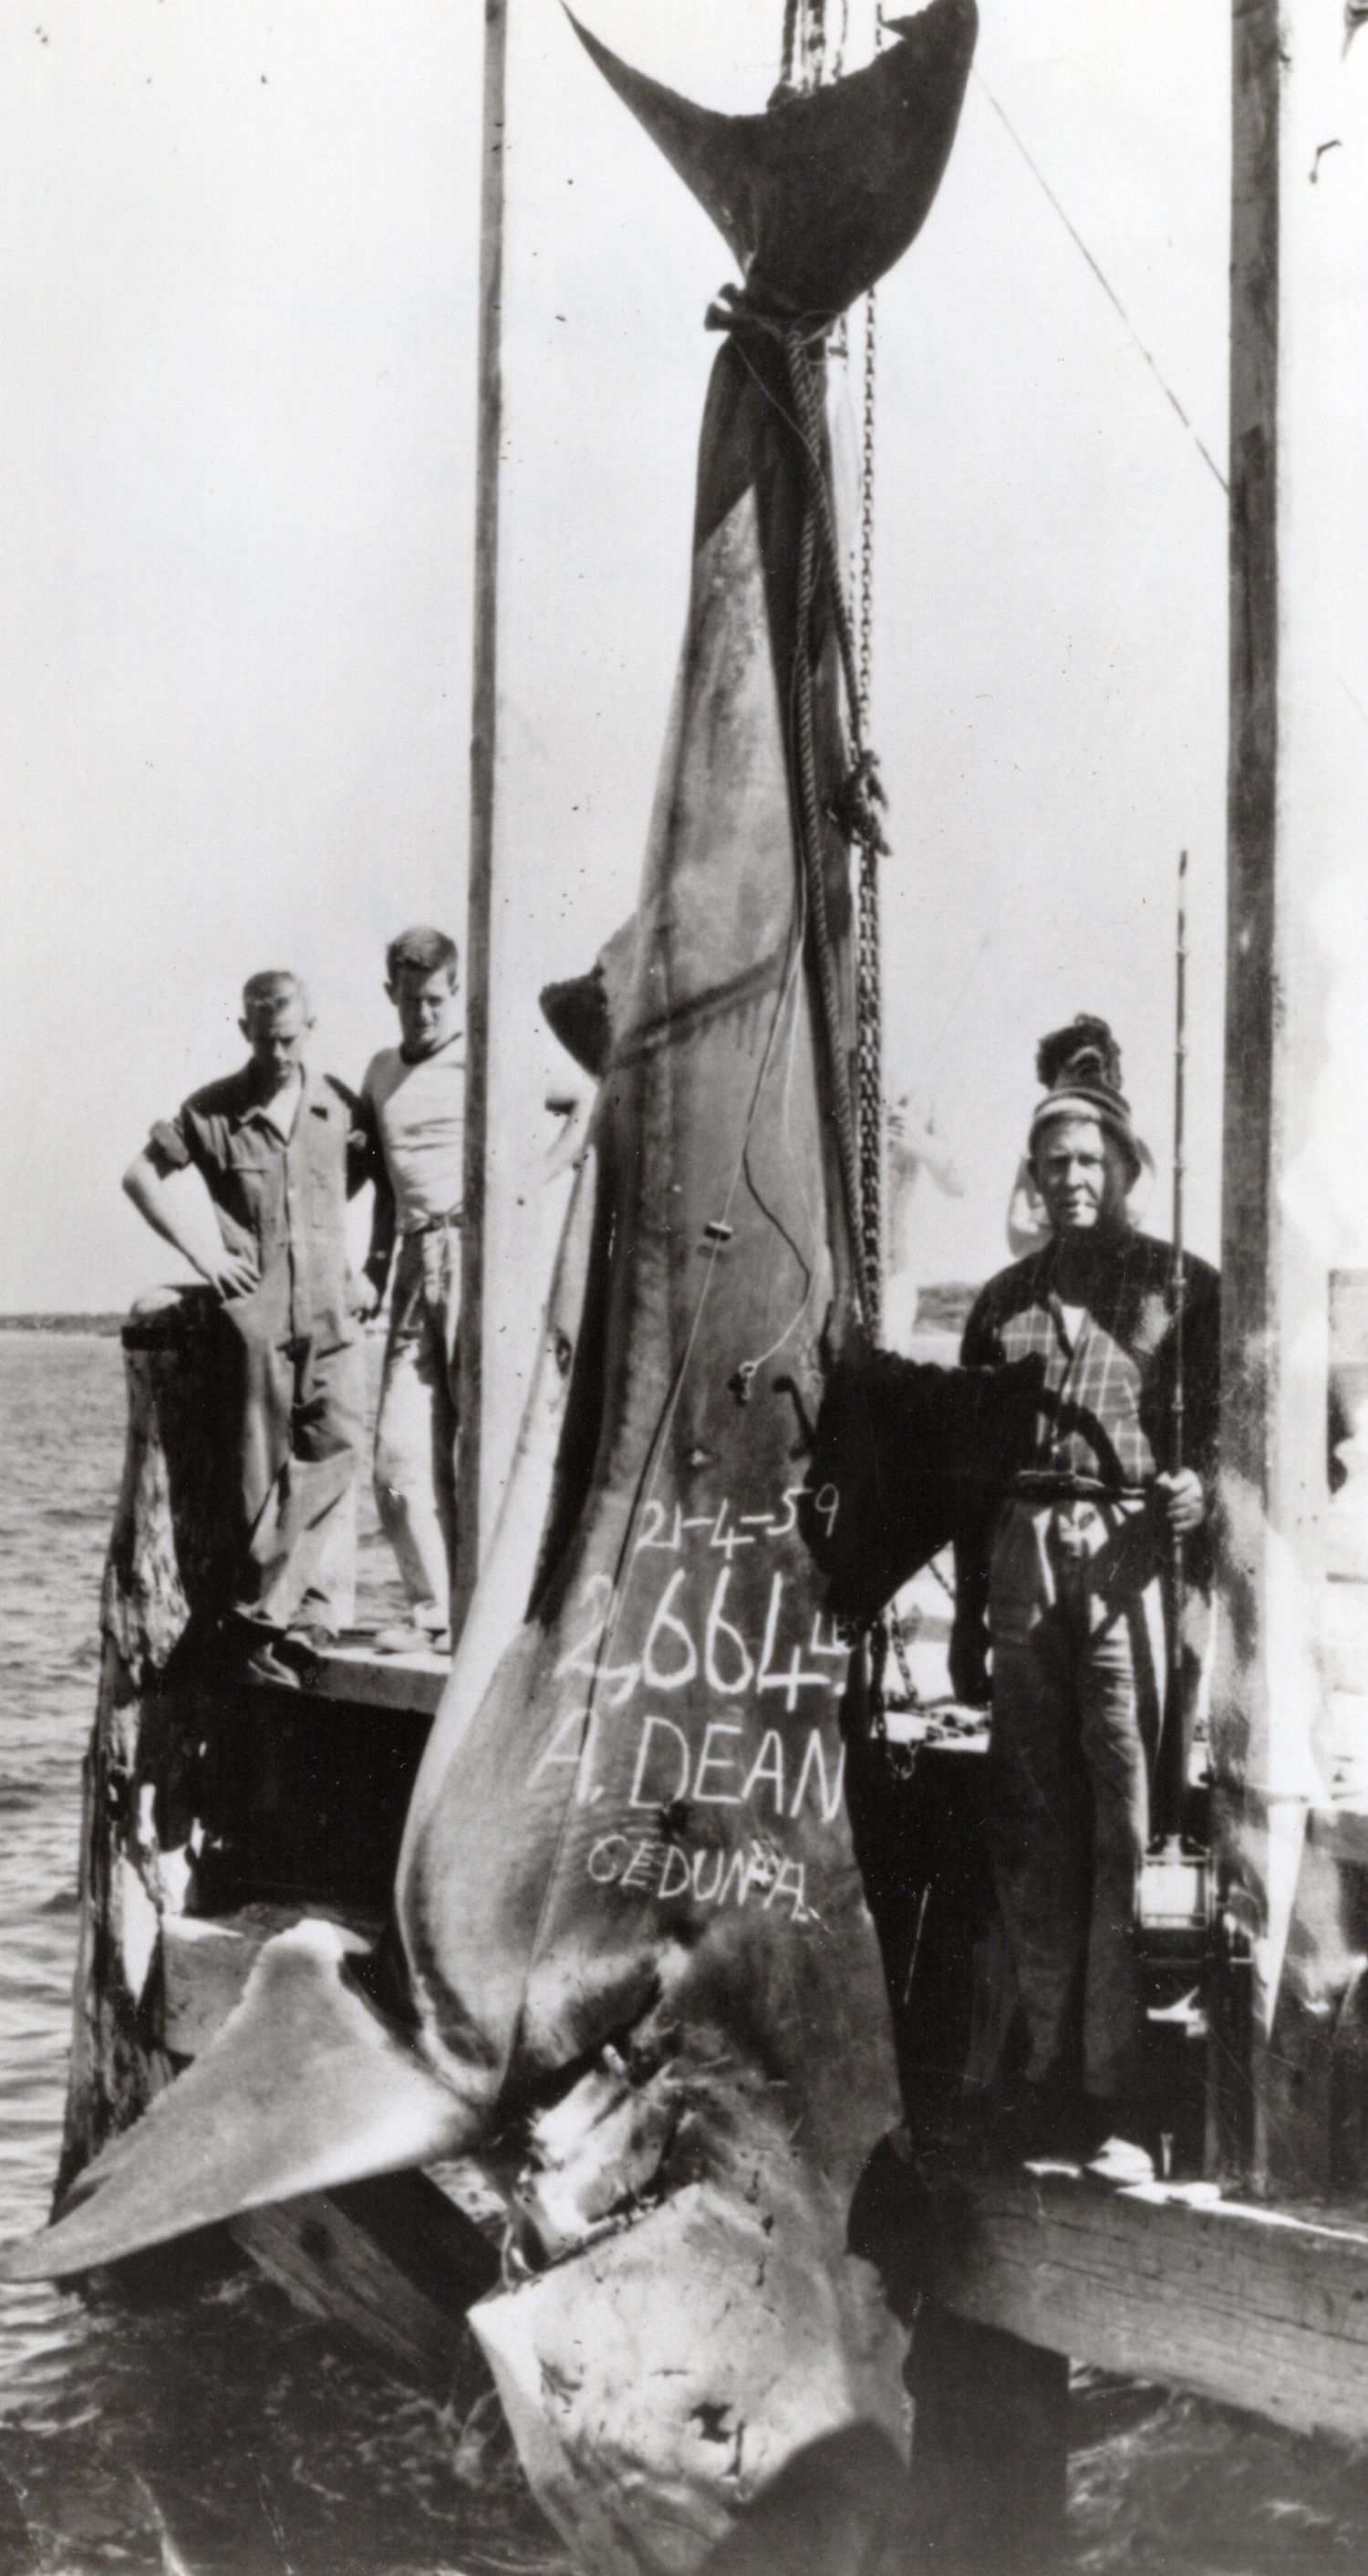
x: 1081, y: 1069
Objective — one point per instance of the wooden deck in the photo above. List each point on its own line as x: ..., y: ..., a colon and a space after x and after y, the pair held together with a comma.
x: 353, y: 1671
x: 1257, y: 2308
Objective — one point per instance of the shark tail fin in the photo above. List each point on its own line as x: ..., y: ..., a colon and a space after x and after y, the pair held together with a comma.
x: 821, y: 194
x: 303, y: 2088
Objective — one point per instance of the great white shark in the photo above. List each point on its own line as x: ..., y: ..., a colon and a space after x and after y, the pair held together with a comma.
x: 630, y: 1962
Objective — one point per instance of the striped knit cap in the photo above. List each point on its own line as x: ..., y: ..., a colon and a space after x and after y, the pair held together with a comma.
x: 1081, y: 1069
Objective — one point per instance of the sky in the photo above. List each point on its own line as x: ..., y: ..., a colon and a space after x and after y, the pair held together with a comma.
x: 238, y: 262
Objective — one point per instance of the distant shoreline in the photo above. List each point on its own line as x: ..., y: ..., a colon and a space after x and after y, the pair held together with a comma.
x: 942, y: 1308
x: 106, y: 1326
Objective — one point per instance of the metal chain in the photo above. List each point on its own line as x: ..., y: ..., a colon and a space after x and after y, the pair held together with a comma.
x: 866, y: 619
x: 868, y: 969
x: 789, y: 47
x: 802, y: 60
x: 868, y: 1007
x: 867, y: 1124
x: 862, y: 1141
x: 901, y: 1633
x: 817, y: 55
x: 900, y: 1759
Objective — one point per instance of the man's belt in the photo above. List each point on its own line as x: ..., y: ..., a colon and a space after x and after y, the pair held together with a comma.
x: 1061, y: 1485
x: 434, y: 1224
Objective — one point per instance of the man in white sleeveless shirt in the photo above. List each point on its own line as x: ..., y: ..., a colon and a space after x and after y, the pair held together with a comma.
x: 414, y: 1096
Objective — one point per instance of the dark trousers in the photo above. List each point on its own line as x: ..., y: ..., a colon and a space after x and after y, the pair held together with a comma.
x: 1076, y: 1620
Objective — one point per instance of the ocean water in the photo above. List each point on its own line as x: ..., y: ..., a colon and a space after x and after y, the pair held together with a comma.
x: 229, y: 2436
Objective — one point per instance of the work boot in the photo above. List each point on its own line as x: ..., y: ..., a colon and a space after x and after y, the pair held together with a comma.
x: 1125, y: 2139
x: 312, y: 1635
x: 263, y: 1655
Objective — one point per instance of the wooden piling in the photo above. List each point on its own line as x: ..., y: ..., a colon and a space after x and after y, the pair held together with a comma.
x: 214, y: 1813
x: 169, y: 1559
x: 989, y: 2447
x: 484, y: 764
x: 1291, y: 1706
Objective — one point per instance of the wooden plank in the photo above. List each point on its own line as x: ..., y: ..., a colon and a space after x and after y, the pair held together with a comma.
x: 369, y: 1680
x: 205, y: 1966
x: 392, y: 2263
x: 207, y: 1960
x: 940, y: 1723
x: 1252, y: 2307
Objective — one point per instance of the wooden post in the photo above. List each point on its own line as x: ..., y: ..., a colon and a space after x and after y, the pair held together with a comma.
x: 483, y: 773
x: 1291, y: 1717
x: 514, y: 943
x: 170, y: 1556
x: 392, y: 2261
x: 989, y: 2447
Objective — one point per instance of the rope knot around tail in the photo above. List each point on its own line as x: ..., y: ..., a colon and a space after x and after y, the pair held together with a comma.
x: 737, y: 308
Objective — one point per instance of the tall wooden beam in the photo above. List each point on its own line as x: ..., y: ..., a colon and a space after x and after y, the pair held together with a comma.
x: 1291, y: 1699
x: 484, y: 747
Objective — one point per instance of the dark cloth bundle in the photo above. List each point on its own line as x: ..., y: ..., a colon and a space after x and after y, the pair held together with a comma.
x: 918, y: 1455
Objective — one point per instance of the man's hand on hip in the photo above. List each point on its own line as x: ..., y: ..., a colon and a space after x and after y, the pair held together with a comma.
x: 1184, y: 1501
x: 234, y: 1274
x: 363, y: 1298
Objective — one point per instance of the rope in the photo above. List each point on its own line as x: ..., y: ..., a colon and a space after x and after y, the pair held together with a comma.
x: 808, y: 405
x: 855, y: 806
x: 810, y: 839
x: 1104, y: 282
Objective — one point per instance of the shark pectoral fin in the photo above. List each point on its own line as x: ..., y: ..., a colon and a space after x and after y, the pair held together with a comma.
x: 303, y: 2088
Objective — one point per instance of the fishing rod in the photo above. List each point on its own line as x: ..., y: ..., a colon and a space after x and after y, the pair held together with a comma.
x: 1172, y: 1766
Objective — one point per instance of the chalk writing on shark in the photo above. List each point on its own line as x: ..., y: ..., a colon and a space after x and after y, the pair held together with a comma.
x: 677, y: 1647
x: 710, y: 1877
x: 716, y: 1624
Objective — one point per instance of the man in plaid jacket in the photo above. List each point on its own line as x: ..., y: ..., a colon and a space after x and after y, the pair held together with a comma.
x: 1064, y: 1589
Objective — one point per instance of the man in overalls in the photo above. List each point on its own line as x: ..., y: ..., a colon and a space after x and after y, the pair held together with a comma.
x: 1066, y: 1588
x: 279, y: 1149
